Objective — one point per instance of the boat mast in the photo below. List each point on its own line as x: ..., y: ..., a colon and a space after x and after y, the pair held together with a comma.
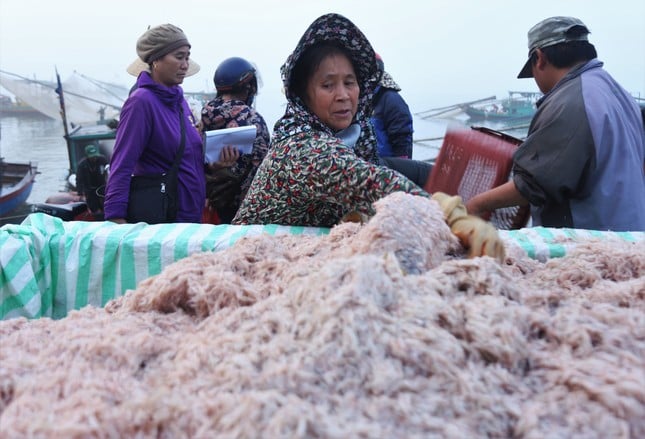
x: 63, y: 114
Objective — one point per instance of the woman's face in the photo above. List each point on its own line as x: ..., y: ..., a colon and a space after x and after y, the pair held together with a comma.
x: 171, y: 69
x: 332, y: 92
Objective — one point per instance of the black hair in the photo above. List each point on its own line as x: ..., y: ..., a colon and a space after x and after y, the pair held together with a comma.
x: 309, y: 62
x: 569, y: 53
x: 249, y: 88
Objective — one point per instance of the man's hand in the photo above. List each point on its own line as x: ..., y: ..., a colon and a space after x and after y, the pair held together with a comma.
x: 474, y: 206
x: 477, y: 235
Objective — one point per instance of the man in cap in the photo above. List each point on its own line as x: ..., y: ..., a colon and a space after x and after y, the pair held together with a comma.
x: 90, y: 179
x: 582, y: 163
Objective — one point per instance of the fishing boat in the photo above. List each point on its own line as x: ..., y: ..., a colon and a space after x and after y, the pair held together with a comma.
x: 519, y: 106
x: 67, y: 205
x: 17, y: 181
x: 450, y: 111
x: 12, y: 108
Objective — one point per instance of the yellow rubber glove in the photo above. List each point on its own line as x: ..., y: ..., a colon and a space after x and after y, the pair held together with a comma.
x: 478, y: 236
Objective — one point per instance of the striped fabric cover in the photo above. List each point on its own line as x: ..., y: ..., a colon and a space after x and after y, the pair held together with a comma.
x: 543, y: 243
x: 49, y: 267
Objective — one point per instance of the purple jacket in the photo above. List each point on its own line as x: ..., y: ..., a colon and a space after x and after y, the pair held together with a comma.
x: 147, y: 139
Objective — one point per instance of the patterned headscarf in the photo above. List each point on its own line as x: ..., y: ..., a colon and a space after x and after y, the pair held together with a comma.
x: 387, y: 81
x: 297, y: 118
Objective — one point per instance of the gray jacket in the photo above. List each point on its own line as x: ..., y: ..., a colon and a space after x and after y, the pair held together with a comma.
x: 582, y: 164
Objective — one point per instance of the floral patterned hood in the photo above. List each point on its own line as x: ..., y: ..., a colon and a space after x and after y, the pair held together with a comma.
x: 297, y: 118
x: 387, y: 81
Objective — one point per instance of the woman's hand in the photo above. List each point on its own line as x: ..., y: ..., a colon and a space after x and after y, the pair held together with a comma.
x: 227, y: 157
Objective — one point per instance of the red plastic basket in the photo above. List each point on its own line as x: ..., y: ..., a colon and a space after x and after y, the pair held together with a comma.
x: 475, y: 160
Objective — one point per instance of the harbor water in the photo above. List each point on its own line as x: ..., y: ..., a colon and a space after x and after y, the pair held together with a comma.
x: 36, y: 139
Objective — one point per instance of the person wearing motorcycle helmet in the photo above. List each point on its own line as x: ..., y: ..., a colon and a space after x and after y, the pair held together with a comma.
x: 236, y: 76
x: 227, y: 181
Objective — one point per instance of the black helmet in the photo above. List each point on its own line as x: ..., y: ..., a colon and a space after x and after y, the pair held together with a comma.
x: 234, y: 74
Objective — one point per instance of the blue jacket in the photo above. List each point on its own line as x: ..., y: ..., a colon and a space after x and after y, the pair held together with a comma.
x: 147, y: 139
x: 392, y: 121
x: 582, y: 164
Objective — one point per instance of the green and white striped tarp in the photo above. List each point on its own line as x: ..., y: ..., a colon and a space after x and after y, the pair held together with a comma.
x: 544, y: 243
x: 49, y: 267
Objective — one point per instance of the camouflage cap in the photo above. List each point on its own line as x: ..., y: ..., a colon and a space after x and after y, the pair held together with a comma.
x: 551, y: 31
x: 92, y: 151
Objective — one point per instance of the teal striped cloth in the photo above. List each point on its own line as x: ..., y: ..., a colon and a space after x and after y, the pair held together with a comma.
x: 544, y: 243
x: 49, y: 267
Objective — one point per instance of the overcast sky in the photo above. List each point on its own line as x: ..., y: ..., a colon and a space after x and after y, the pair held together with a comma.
x: 440, y: 52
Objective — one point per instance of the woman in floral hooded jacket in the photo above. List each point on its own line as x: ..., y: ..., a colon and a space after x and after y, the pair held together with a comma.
x: 317, y: 172
x: 311, y: 175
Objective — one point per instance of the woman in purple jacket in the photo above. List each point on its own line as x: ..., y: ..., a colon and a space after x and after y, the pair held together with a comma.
x: 149, y: 132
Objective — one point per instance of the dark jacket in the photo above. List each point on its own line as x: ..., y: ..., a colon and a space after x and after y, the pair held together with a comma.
x: 226, y: 196
x: 392, y: 120
x: 90, y: 179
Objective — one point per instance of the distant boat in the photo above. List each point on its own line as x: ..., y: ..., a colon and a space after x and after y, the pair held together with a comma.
x: 519, y: 106
x: 67, y: 205
x: 10, y: 107
x: 17, y: 181
x: 450, y: 111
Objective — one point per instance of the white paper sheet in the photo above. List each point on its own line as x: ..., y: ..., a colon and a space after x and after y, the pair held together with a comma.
x: 240, y: 137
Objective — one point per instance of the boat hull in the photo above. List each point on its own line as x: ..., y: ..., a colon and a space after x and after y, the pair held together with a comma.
x: 17, y: 183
